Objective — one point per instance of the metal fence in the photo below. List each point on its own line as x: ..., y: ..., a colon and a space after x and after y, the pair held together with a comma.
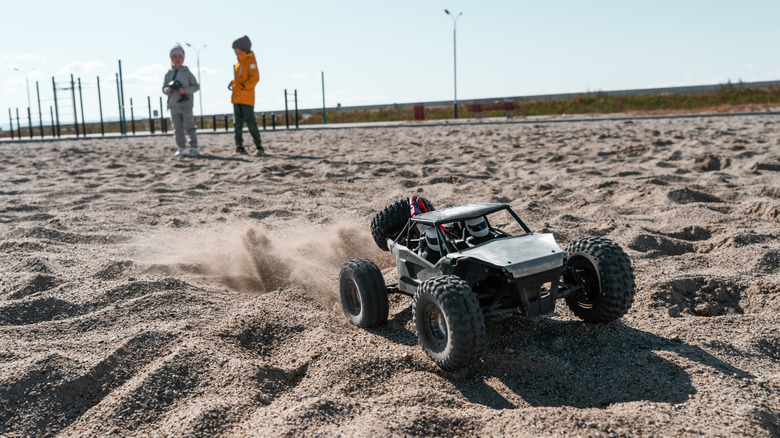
x: 66, y: 109
x: 66, y: 113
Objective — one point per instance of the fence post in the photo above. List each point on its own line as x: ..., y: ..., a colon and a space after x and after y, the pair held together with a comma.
x: 18, y: 125
x: 121, y: 91
x: 81, y: 102
x: 40, y: 115
x: 296, y: 109
x: 214, y: 122
x: 132, y: 116
x: 163, y: 125
x: 29, y: 122
x: 75, y: 112
x: 226, y: 122
x: 151, y: 120
x: 324, y: 110
x: 11, y: 122
x: 100, y: 107
x: 273, y: 121
x: 286, y: 111
x: 51, y: 111
x: 263, y: 121
x: 119, y: 105
x: 56, y: 107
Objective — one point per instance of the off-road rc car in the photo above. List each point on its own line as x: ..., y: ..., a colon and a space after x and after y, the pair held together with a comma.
x: 461, y: 266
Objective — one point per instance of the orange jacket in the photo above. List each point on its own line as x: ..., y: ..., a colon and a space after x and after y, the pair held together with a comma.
x: 246, y: 76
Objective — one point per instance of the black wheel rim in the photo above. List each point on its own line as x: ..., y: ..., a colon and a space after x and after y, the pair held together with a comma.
x: 589, y: 280
x: 435, y: 325
x: 352, y: 298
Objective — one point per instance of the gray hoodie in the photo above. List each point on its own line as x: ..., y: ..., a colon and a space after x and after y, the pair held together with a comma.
x: 188, y: 82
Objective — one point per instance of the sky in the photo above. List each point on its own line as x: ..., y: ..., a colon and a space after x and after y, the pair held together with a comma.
x: 374, y: 53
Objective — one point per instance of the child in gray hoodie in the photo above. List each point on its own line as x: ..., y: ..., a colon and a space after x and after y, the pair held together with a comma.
x: 179, y: 85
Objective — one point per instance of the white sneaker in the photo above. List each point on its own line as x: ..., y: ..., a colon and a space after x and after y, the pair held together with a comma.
x: 194, y: 153
x: 180, y: 153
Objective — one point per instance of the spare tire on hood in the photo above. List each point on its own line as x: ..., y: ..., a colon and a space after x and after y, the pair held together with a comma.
x: 391, y: 220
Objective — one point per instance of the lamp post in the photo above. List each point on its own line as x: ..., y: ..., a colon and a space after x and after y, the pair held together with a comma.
x: 200, y: 95
x: 454, y: 56
x: 26, y: 82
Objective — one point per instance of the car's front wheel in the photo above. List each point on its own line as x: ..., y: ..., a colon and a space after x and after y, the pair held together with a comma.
x: 449, y: 322
x: 363, y: 293
x: 604, y: 272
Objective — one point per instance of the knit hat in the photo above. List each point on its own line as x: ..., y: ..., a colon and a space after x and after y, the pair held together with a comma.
x: 243, y: 44
x: 177, y: 48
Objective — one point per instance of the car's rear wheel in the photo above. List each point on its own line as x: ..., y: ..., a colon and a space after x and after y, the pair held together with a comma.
x: 391, y: 220
x: 604, y: 271
x: 449, y: 322
x: 363, y: 293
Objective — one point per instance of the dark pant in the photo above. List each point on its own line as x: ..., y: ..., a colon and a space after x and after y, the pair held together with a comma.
x: 245, y: 113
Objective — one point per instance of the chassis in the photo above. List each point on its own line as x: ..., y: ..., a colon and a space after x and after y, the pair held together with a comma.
x: 523, y: 273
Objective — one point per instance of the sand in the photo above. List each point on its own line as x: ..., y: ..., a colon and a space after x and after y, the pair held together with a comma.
x: 143, y: 295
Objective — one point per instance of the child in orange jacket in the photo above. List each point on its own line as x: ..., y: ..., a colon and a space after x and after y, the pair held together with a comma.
x: 246, y: 76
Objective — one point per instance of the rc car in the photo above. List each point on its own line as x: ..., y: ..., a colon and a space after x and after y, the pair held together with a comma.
x: 470, y: 262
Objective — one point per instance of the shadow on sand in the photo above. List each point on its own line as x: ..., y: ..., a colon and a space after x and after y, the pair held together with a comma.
x: 243, y: 158
x: 549, y: 362
x: 569, y: 363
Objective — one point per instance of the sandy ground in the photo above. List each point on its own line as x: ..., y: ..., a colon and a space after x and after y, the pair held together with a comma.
x: 147, y: 296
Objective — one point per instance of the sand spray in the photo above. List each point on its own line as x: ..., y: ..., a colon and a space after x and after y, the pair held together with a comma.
x: 250, y: 258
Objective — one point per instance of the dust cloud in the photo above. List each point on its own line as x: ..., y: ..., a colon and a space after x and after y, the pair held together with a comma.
x: 250, y: 258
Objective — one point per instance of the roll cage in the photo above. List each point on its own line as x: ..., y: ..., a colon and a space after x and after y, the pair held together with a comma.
x: 449, y: 225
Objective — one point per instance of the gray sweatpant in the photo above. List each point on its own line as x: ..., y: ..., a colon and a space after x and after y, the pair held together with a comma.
x: 184, y: 122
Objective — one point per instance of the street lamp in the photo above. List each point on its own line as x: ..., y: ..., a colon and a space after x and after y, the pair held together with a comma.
x: 200, y: 95
x: 26, y: 82
x: 454, y: 56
